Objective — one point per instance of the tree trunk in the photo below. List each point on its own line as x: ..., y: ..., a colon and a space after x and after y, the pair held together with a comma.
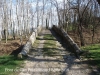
x: 46, y: 24
x: 5, y: 34
x: 93, y: 34
x: 80, y: 31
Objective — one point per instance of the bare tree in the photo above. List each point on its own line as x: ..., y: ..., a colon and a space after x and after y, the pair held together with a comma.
x: 37, y: 9
x: 80, y: 18
x: 5, y: 19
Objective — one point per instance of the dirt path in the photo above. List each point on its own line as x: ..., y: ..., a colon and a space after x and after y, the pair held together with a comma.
x: 62, y: 63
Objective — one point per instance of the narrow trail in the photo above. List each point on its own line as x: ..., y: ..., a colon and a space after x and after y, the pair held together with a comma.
x: 61, y: 63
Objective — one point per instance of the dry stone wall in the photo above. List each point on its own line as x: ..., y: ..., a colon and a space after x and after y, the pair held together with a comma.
x: 70, y: 44
x: 30, y: 42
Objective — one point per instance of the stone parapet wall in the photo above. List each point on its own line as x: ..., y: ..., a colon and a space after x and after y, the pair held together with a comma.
x: 30, y: 42
x: 70, y: 44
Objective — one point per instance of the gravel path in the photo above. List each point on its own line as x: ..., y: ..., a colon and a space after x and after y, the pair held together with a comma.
x: 62, y: 64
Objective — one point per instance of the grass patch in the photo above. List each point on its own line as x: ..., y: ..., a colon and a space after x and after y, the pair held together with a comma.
x: 9, y: 62
x: 49, y: 37
x: 49, y: 45
x: 36, y: 43
x: 94, y: 54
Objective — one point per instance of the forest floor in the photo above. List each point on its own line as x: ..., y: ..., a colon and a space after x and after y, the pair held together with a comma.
x: 49, y: 57
x: 87, y: 33
x: 10, y: 46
